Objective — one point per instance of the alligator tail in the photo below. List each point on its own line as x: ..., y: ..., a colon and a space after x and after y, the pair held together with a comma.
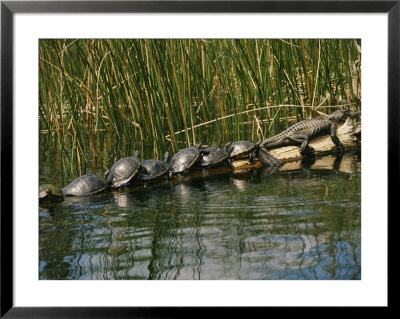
x: 267, y: 159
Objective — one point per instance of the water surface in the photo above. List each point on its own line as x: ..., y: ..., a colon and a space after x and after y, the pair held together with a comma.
x: 302, y: 222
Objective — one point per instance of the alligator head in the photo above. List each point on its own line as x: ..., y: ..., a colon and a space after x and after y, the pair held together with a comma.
x: 340, y: 116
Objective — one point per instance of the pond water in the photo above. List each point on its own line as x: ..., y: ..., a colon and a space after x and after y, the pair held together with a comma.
x: 302, y: 222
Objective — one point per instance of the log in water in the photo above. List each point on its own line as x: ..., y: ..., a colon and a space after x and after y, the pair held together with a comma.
x: 348, y: 134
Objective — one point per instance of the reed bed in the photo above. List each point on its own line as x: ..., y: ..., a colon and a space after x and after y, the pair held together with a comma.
x: 100, y: 99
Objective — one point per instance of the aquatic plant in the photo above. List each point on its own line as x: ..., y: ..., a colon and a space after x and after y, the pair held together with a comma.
x: 100, y: 99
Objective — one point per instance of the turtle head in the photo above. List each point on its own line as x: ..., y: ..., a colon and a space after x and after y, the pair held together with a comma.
x: 204, y: 153
x: 199, y: 145
x: 50, y: 193
x: 340, y: 116
x: 227, y: 146
x: 44, y: 193
x: 166, y: 156
x: 106, y: 173
x: 145, y: 169
x: 230, y: 150
x: 136, y: 154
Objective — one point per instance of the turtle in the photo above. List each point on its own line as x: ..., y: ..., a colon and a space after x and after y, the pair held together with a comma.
x: 182, y: 161
x: 49, y: 193
x: 243, y: 149
x: 250, y: 150
x: 123, y: 171
x: 153, y: 169
x: 214, y: 157
x: 84, y: 186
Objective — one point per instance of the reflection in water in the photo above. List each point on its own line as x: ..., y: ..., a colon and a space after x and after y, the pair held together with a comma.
x: 301, y: 222
x: 123, y: 200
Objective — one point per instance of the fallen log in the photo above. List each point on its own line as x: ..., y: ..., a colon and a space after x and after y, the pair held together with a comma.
x: 348, y: 134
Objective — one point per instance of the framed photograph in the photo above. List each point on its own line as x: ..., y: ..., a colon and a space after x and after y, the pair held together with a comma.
x: 160, y: 155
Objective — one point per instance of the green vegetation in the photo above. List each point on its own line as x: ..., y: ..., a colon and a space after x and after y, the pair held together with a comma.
x: 100, y: 97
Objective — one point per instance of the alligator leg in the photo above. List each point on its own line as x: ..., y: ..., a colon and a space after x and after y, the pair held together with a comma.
x: 335, y: 138
x: 303, y: 140
x: 338, y: 161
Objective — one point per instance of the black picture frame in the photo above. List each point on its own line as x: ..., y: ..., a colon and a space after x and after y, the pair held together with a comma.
x: 9, y: 8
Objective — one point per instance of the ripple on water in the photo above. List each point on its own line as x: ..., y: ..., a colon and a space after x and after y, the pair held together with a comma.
x: 296, y: 225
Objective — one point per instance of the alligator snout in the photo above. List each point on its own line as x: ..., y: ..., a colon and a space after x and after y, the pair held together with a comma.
x: 354, y: 114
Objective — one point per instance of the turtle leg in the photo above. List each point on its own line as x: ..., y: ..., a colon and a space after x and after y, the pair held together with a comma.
x: 251, y: 158
x: 230, y: 161
x: 180, y: 175
x: 252, y: 155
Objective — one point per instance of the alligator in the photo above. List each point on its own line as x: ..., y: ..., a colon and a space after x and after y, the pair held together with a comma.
x: 301, y: 132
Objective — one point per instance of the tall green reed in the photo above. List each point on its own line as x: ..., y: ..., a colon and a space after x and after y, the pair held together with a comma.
x: 165, y: 94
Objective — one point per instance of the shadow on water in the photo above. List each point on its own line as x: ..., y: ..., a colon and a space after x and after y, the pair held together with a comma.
x: 300, y: 222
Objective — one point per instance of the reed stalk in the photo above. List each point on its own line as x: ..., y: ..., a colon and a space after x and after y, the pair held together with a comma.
x: 157, y: 95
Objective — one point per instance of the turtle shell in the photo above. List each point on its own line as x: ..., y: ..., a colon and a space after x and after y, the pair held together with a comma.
x: 242, y: 148
x: 123, y: 171
x: 152, y: 169
x: 213, y: 156
x: 184, y: 159
x: 84, y: 186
